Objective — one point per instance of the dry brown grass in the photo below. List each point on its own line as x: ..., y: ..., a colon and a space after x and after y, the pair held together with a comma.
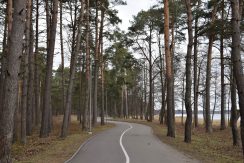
x: 215, y: 147
x: 53, y: 149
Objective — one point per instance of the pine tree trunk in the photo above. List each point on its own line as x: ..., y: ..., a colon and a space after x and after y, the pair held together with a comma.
x: 126, y: 103
x: 37, y: 69
x: 74, y: 25
x: 76, y: 51
x: 82, y: 85
x: 17, y: 116
x: 169, y: 73
x: 145, y: 92
x: 222, y: 124
x: 102, y: 65
x: 163, y: 107
x: 62, y: 51
x: 30, y: 110
x: 102, y: 93
x: 163, y: 84
x: 188, y: 123
x: 196, y: 85
x: 208, y: 124
x: 73, y: 44
x: 215, y: 98
x: 46, y: 111
x: 11, y: 82
x: 122, y: 103
x: 141, y: 107
x: 88, y: 69
x: 183, y: 101
x: 150, y: 109
x: 25, y: 113
x: 6, y: 36
x: 236, y: 6
x: 96, y: 68
x: 24, y: 100
x: 172, y: 51
x: 234, y: 115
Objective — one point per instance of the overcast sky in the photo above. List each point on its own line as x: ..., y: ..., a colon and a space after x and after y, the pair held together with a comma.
x: 126, y: 12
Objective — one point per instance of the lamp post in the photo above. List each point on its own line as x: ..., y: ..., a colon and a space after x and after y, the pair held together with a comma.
x: 106, y: 106
x: 90, y: 98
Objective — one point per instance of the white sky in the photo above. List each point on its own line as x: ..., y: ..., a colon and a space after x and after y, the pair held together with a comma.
x: 126, y: 12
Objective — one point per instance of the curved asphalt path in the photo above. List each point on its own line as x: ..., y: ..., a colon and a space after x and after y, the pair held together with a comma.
x: 128, y: 143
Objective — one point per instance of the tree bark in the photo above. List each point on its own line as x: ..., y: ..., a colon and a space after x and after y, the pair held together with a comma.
x: 102, y: 93
x: 208, y: 124
x: 196, y: 85
x: 37, y: 69
x: 46, y: 111
x: 7, y: 32
x: 126, y: 103
x: 17, y: 116
x: 82, y: 86
x: 76, y: 51
x: 102, y: 65
x: 74, y: 25
x: 62, y: 51
x: 96, y: 67
x: 150, y: 109
x: 30, y: 92
x: 215, y: 98
x: 222, y: 123
x: 145, y: 91
x: 88, y: 69
x: 188, y: 123
x: 183, y: 101
x: 236, y: 6
x: 172, y: 51
x: 163, y: 83
x: 234, y: 114
x: 11, y: 81
x: 169, y: 73
x: 25, y: 113
x: 24, y: 99
x: 122, y: 103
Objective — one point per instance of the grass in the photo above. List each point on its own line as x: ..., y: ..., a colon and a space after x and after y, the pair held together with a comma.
x: 53, y: 149
x: 216, y: 147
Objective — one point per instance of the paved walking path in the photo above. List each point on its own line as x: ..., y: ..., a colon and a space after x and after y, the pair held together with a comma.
x: 128, y: 143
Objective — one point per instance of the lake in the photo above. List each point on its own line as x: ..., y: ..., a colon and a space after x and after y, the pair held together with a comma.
x: 200, y: 116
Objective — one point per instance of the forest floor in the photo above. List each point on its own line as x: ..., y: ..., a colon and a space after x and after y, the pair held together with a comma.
x: 216, y: 147
x: 53, y: 149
